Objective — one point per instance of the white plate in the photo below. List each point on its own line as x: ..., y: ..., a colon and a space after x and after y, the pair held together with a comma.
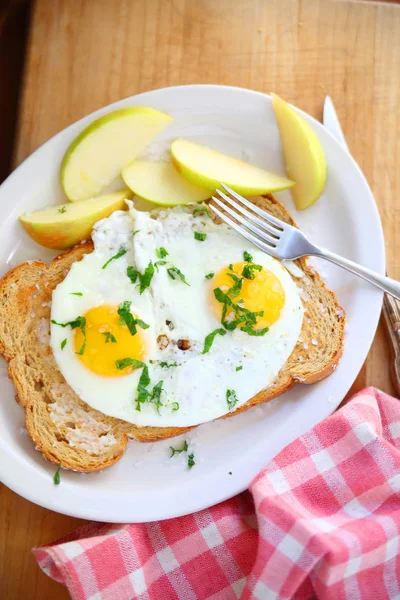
x: 146, y: 485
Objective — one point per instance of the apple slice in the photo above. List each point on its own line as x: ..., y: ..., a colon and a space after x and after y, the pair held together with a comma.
x: 303, y: 154
x: 208, y: 168
x: 105, y: 147
x: 160, y: 183
x: 65, y: 225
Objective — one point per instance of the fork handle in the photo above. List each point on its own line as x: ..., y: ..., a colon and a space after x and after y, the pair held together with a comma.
x: 390, y: 286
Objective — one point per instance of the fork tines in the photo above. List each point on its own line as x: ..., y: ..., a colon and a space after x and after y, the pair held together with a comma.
x: 245, y: 220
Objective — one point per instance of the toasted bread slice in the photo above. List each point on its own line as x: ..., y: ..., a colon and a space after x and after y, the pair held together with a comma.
x: 63, y: 427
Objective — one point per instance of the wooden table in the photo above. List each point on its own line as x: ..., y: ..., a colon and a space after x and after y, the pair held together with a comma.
x: 83, y: 54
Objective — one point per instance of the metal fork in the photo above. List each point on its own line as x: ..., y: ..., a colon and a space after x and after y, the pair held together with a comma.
x: 283, y: 241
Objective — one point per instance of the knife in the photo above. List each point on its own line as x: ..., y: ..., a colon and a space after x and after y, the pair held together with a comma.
x: 391, y: 306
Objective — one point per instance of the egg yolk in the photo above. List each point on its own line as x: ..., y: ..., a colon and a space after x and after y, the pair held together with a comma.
x: 106, y: 340
x: 263, y: 293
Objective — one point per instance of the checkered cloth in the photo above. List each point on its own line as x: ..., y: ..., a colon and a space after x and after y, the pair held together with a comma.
x: 322, y: 520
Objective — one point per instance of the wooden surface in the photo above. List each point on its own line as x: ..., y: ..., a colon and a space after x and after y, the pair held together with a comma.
x: 84, y: 54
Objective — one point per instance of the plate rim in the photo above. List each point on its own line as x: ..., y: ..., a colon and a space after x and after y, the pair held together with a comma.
x: 39, y: 497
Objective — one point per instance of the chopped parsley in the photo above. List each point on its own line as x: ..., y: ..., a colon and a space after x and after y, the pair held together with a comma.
x: 144, y: 395
x: 175, y: 273
x: 231, y: 398
x: 63, y: 344
x: 179, y: 450
x: 161, y: 252
x: 247, y: 256
x: 135, y: 232
x: 208, y: 342
x: 76, y: 294
x: 127, y: 318
x: 235, y: 290
x: 165, y: 365
x: 160, y: 263
x: 200, y: 236
x: 230, y: 473
x: 209, y: 275
x: 109, y: 337
x: 248, y: 270
x: 80, y: 322
x: 62, y: 210
x: 128, y: 362
x: 120, y: 253
x: 175, y: 406
x: 156, y: 395
x: 243, y: 317
x: 143, y: 392
x: 132, y: 273
x: 57, y: 478
x: 144, y: 279
x: 185, y: 447
x: 254, y: 332
x: 239, y: 368
x: 201, y: 211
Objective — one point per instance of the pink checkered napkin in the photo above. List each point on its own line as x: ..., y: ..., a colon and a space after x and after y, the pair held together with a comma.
x: 323, y: 519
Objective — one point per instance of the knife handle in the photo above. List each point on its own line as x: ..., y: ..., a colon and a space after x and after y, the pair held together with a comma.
x: 391, y: 312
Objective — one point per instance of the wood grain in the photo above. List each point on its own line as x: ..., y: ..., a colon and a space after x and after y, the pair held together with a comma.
x: 84, y: 54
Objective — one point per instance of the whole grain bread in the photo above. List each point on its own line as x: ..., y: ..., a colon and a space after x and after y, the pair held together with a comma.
x: 70, y: 433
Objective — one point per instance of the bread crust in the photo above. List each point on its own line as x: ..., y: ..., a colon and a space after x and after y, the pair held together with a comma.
x: 25, y: 296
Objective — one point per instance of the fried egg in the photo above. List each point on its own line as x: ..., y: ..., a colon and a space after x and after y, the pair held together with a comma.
x: 172, y: 320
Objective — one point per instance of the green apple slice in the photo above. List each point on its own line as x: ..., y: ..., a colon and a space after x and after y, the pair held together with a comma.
x: 303, y: 154
x: 65, y: 225
x: 160, y: 183
x: 105, y: 147
x: 208, y: 168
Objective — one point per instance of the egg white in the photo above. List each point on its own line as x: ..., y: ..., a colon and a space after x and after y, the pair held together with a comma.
x: 200, y: 382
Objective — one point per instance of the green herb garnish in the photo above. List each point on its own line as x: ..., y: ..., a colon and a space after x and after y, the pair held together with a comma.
x: 109, y: 337
x: 160, y: 263
x: 244, y: 317
x: 254, y: 332
x: 156, y: 395
x: 78, y: 322
x: 143, y: 392
x: 175, y: 406
x: 209, y: 275
x: 201, y: 211
x: 161, y: 252
x: 208, y: 342
x: 76, y: 294
x: 179, y: 450
x: 191, y: 461
x: 174, y: 273
x: 135, y: 232
x: 57, y: 478
x: 231, y: 398
x: 164, y: 365
x: 144, y: 280
x: 247, y: 256
x: 62, y: 210
x: 120, y: 253
x: 200, y: 236
x: 239, y: 368
x: 63, y: 344
x: 230, y: 473
x: 128, y: 362
x: 132, y: 273
x: 248, y: 270
x: 127, y: 318
x: 235, y: 290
